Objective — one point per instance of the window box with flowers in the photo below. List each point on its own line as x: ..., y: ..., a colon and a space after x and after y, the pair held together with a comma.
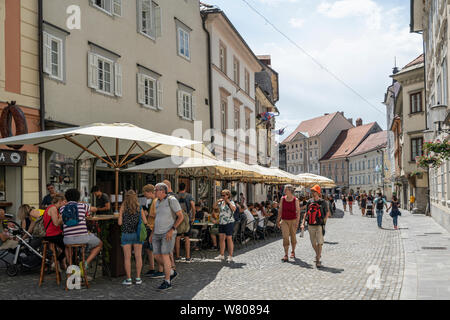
x: 435, y: 154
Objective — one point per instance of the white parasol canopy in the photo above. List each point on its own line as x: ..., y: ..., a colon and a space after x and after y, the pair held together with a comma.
x: 108, y: 142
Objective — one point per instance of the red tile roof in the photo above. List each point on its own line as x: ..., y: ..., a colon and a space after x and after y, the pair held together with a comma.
x: 372, y: 142
x: 313, y: 127
x: 419, y: 59
x: 348, y: 140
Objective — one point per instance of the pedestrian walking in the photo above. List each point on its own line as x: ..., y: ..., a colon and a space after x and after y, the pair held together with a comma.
x: 344, y: 201
x: 363, y: 203
x: 226, y: 224
x: 412, y: 199
x: 130, y: 215
x: 168, y: 217
x: 289, y: 215
x: 369, y: 204
x: 317, y: 213
x: 350, y: 203
x: 379, y: 203
x: 395, y: 212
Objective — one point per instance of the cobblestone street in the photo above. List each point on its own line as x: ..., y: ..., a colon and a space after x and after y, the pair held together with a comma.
x: 354, y: 253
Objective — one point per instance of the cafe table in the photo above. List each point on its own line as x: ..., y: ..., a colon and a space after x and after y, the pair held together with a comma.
x: 116, y: 258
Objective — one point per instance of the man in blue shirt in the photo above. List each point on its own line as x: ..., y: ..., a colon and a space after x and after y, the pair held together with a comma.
x: 379, y: 202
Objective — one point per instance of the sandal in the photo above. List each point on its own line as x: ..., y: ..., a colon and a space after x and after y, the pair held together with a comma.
x: 285, y: 259
x: 292, y: 255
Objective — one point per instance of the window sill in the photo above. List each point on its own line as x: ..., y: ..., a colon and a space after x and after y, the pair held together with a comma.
x: 51, y: 77
x: 149, y: 107
x: 187, y: 119
x: 147, y: 36
x: 105, y: 93
x: 184, y: 57
x: 416, y: 113
x: 103, y: 10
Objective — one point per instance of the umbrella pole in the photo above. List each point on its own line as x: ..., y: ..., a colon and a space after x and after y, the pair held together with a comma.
x: 117, y: 177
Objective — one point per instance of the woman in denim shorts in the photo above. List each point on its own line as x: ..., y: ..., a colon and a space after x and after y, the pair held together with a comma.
x: 226, y: 224
x: 128, y: 222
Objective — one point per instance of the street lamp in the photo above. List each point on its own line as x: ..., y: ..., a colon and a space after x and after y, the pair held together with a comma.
x: 438, y: 113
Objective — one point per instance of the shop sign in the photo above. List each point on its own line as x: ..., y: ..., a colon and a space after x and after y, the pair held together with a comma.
x: 13, y: 158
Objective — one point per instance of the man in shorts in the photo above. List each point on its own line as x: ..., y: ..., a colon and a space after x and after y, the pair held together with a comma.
x: 168, y: 217
x: 79, y: 233
x: 315, y: 224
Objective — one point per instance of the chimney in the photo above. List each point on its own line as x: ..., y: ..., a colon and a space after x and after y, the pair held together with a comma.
x: 325, y: 114
x: 265, y: 59
x: 359, y: 122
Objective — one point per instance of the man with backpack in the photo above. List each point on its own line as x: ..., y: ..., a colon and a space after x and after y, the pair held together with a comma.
x: 187, y: 205
x: 168, y: 217
x: 317, y: 213
x: 379, y: 202
x: 75, y: 231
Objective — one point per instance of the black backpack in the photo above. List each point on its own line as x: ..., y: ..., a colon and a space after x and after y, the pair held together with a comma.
x: 380, y: 204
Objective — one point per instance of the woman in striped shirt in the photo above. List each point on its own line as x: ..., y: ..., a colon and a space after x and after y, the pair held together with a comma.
x: 79, y: 234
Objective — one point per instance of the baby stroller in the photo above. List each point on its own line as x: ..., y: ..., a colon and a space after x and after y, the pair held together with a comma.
x: 25, y: 257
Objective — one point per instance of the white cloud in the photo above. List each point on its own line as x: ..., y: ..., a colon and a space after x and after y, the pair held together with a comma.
x: 296, y: 22
x: 353, y: 8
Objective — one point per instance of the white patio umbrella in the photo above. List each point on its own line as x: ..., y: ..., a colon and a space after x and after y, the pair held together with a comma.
x: 108, y: 141
x: 196, y: 167
x: 309, y: 179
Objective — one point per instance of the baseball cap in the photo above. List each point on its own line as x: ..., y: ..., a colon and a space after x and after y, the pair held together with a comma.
x: 316, y: 188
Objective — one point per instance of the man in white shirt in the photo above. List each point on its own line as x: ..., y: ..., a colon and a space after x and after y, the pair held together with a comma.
x: 250, y: 219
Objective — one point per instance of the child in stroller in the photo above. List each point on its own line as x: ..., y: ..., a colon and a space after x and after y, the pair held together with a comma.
x: 16, y: 252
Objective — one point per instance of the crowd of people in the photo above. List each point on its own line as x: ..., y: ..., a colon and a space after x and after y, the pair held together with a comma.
x: 170, y: 218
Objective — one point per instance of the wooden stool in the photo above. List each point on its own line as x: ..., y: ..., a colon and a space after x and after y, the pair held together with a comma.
x: 70, y: 248
x: 55, y: 261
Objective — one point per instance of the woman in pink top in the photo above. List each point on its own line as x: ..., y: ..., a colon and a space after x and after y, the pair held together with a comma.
x: 289, y: 214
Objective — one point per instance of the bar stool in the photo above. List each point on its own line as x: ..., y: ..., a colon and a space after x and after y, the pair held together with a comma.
x: 47, y: 244
x: 70, y: 248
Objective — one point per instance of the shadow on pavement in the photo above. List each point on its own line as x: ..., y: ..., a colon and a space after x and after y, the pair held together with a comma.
x: 338, y: 214
x: 301, y: 263
x: 331, y: 243
x: 330, y: 269
x: 235, y: 265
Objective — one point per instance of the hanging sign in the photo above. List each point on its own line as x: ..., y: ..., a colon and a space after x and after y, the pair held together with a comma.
x: 13, y: 158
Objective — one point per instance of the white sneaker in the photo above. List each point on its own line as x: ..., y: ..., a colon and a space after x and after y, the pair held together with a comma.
x: 230, y: 259
x: 219, y: 257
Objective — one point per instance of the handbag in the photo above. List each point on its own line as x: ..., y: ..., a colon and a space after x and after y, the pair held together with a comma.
x: 141, y: 229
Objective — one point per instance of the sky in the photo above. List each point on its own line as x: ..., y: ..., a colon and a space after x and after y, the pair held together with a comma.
x: 357, y: 40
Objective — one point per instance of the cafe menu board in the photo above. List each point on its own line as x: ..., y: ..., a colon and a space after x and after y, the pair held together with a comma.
x: 13, y: 158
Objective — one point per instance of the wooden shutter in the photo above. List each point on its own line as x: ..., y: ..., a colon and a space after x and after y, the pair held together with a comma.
x: 180, y: 103
x: 92, y: 70
x: 139, y: 15
x: 159, y: 99
x: 193, y: 106
x: 158, y: 22
x: 141, y: 88
x: 118, y: 79
x: 117, y: 8
x: 47, y: 53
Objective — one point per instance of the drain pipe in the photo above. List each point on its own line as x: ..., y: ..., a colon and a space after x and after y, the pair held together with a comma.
x: 41, y: 90
x: 211, y: 118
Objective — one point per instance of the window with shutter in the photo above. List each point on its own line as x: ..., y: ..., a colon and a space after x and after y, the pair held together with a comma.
x: 149, y: 91
x: 53, y: 56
